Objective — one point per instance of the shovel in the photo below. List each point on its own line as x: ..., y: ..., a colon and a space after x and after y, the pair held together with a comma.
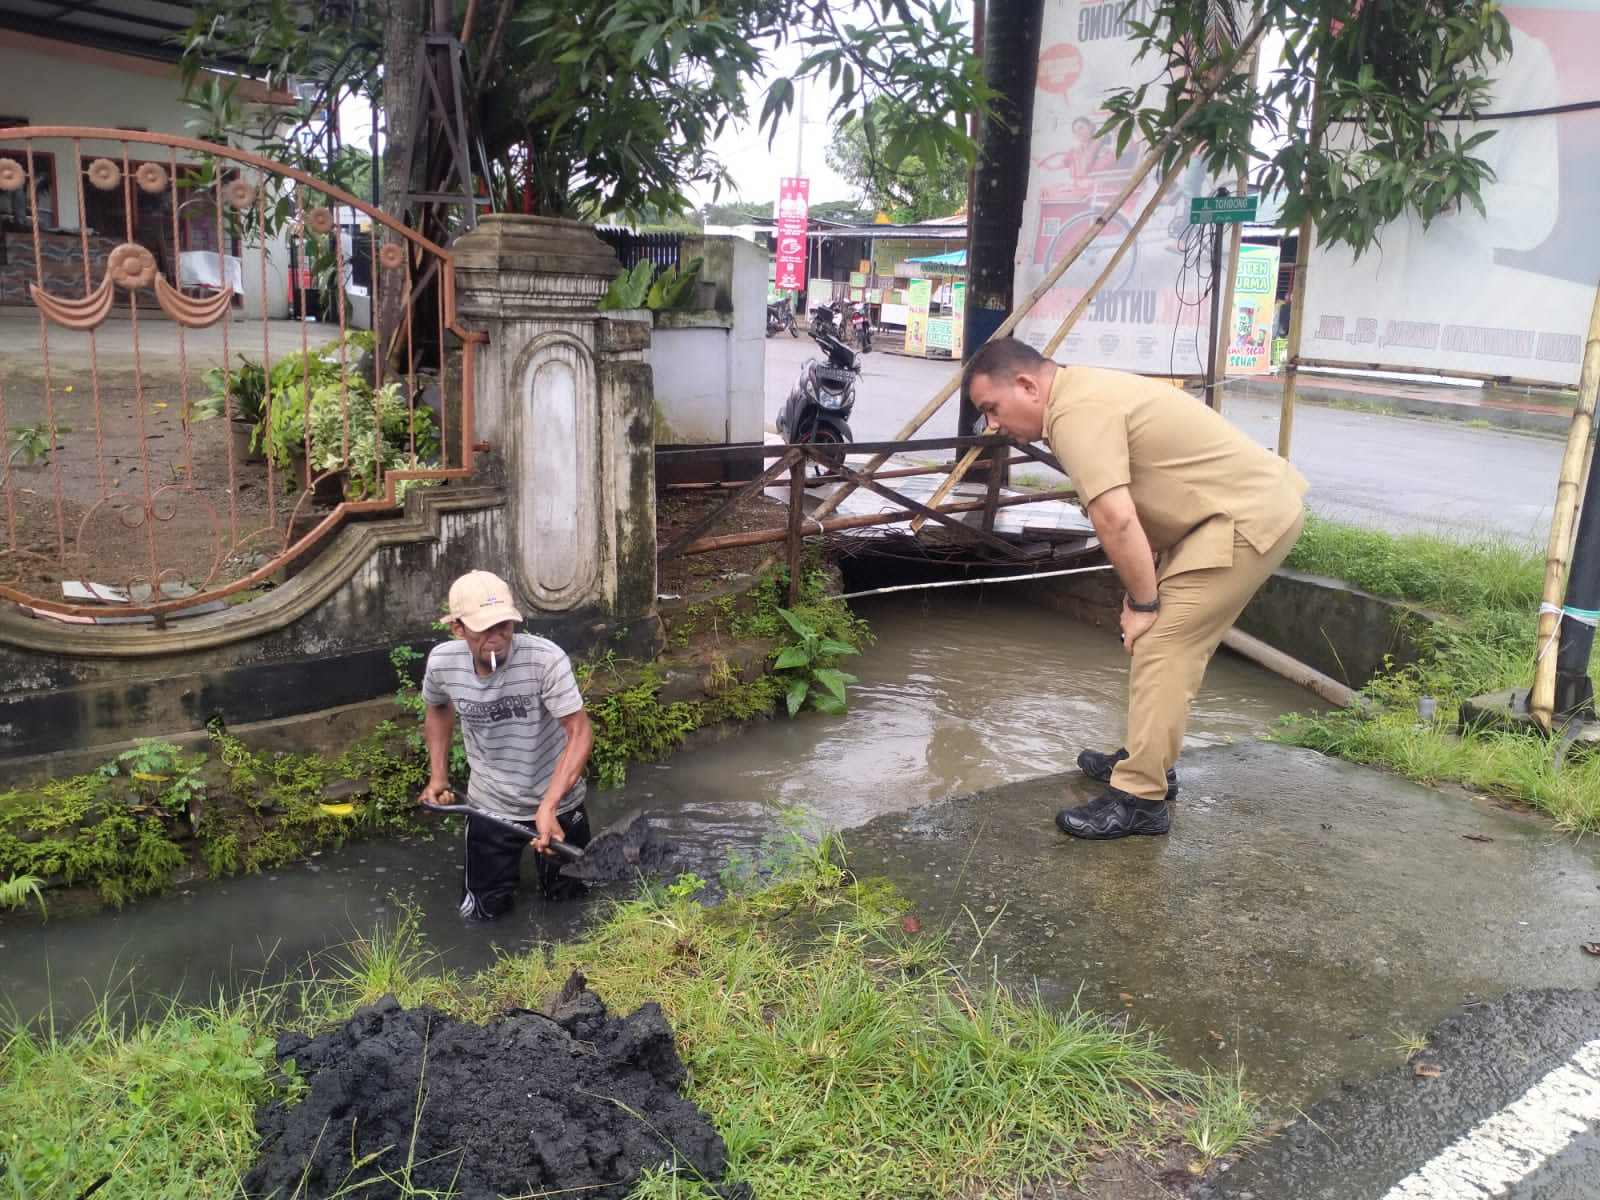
x: 621, y: 850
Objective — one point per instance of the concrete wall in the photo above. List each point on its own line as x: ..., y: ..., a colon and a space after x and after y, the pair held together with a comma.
x: 1325, y: 624
x: 709, y: 361
x: 53, y: 83
x: 320, y: 640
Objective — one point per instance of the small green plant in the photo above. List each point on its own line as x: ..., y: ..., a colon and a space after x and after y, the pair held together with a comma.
x: 807, y: 666
x: 240, y: 394
x: 1224, y: 1120
x: 160, y: 775
x: 19, y: 889
x: 368, y: 434
x: 1408, y: 1042
x: 643, y: 288
x: 33, y: 443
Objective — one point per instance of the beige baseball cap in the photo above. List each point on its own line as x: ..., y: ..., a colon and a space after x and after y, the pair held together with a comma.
x: 480, y: 599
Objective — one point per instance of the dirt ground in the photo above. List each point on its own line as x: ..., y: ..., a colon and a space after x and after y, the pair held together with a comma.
x: 679, y: 510
x: 128, y: 492
x: 566, y: 1101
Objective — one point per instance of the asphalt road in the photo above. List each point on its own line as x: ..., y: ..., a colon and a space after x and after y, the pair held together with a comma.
x: 1504, y: 1101
x: 1381, y: 470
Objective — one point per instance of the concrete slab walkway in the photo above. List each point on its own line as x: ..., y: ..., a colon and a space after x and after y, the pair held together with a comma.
x: 1304, y: 915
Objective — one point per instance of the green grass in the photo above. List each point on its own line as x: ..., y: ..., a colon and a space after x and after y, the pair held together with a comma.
x: 1486, y: 594
x: 155, y: 1104
x: 839, y: 1056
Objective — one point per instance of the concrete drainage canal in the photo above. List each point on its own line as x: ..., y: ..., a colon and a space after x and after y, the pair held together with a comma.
x: 1302, y: 909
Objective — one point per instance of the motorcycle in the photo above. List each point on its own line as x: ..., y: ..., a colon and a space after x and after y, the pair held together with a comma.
x: 862, y: 327
x: 780, y: 317
x: 818, y: 408
x: 824, y: 319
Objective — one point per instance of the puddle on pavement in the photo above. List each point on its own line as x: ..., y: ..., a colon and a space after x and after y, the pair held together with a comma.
x: 1316, y: 929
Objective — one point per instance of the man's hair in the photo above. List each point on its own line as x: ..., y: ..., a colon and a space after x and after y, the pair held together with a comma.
x: 1002, y: 360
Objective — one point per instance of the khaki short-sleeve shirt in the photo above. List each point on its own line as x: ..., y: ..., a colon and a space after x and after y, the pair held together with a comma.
x: 1195, y: 480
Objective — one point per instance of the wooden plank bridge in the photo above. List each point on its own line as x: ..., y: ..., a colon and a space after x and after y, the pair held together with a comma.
x: 896, y: 509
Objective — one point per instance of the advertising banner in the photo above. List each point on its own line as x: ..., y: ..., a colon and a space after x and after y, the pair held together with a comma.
x: 958, y: 317
x: 1148, y: 317
x: 1255, y: 293
x: 920, y: 294
x: 794, y: 206
x: 1506, y: 293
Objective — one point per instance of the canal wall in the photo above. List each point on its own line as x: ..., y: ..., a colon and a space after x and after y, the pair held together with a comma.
x: 1343, y: 632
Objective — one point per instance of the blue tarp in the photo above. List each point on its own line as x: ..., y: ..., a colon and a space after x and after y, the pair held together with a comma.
x: 956, y: 258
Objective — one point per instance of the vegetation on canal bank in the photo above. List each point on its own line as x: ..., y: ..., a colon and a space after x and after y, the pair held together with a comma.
x: 1486, y: 595
x: 158, y: 815
x: 830, y: 1040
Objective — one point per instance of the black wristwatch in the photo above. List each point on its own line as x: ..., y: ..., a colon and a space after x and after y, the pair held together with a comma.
x: 1135, y: 606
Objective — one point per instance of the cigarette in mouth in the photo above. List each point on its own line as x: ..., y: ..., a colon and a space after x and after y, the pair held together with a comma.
x: 494, y: 663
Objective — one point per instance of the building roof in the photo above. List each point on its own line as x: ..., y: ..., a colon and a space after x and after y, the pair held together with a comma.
x: 143, y: 28
x: 945, y: 229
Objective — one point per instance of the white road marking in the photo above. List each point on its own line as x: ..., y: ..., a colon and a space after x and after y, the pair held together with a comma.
x: 1516, y: 1141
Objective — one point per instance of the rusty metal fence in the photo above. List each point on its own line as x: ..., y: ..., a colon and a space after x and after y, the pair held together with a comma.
x: 180, y: 426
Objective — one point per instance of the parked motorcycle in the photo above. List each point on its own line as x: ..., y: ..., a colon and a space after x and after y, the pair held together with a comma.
x: 861, y: 326
x: 780, y: 317
x: 824, y: 319
x: 818, y: 408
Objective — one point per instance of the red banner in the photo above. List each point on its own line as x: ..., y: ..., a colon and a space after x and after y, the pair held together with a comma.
x: 794, y: 197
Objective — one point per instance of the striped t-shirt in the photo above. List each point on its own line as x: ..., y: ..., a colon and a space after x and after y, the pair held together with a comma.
x: 509, y: 720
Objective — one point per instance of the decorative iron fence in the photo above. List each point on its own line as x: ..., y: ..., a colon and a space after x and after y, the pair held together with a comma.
x: 172, y: 437
x: 662, y: 249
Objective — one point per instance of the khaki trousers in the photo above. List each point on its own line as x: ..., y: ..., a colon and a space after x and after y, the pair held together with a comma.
x: 1170, y: 658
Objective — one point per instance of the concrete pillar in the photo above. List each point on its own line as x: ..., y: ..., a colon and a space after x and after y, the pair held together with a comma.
x: 563, y: 397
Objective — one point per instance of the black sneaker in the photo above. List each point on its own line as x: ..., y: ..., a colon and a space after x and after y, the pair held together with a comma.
x: 1115, y: 814
x: 1098, y: 765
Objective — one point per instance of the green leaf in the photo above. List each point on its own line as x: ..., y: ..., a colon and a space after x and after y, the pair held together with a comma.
x: 796, y: 623
x: 833, y: 680
x: 795, y: 697
x: 793, y: 656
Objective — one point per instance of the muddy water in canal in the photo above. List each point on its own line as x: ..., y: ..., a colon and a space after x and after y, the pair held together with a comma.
x: 1265, y: 927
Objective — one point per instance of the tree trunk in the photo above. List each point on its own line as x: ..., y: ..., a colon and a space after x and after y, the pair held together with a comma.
x: 1010, y: 36
x: 402, y: 41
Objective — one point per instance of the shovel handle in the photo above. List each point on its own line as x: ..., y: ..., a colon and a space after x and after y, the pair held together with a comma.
x: 566, y: 849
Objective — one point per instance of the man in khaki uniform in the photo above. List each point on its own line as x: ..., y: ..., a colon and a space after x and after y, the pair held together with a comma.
x: 1192, y: 514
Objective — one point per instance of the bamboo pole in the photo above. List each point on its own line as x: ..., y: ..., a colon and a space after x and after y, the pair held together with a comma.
x: 1297, y: 303
x: 1227, y: 282
x: 1147, y: 164
x: 1542, y: 696
x: 1071, y: 319
x: 1291, y: 355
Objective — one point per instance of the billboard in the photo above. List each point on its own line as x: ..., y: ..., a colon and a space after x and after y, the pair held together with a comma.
x: 794, y: 196
x: 1148, y: 316
x: 1255, y: 293
x: 1508, y: 293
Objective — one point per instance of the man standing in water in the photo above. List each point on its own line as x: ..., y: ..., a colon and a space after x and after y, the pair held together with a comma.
x: 1192, y: 514
x: 527, y: 738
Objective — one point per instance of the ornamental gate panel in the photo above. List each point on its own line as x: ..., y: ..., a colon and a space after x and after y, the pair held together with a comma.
x: 208, y: 363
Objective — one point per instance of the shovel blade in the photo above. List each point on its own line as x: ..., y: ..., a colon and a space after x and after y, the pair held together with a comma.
x: 623, y: 849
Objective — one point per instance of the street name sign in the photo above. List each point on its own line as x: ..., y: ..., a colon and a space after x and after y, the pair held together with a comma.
x: 1218, y: 210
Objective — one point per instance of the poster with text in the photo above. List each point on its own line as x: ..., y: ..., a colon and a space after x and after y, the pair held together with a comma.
x: 1255, y: 293
x: 920, y: 295
x: 794, y: 195
x: 1502, y: 294
x: 1148, y: 316
x: 958, y: 317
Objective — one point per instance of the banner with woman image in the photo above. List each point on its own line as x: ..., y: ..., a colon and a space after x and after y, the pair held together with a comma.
x: 1151, y: 314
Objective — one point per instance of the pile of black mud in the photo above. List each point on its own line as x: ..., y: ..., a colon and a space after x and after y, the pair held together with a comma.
x: 569, y: 1101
